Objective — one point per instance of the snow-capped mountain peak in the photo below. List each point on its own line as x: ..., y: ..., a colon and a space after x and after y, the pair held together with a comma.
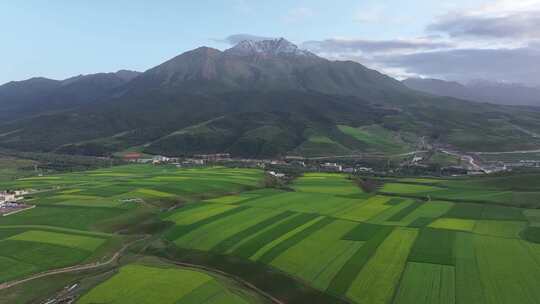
x: 272, y: 47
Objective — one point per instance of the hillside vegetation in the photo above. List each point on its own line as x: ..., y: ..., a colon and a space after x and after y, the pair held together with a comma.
x: 249, y: 102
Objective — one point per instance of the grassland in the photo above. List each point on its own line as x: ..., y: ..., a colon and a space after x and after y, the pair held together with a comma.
x: 323, y: 240
x: 377, y: 139
x: 318, y: 145
x: 12, y: 168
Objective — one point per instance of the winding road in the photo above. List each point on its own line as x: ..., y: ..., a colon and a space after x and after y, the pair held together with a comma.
x: 469, y: 159
x: 115, y: 257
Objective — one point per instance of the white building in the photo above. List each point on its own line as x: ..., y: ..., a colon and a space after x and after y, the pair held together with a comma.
x: 7, y: 197
x: 364, y: 169
x: 158, y: 159
x: 331, y: 167
x: 278, y: 175
x: 417, y: 159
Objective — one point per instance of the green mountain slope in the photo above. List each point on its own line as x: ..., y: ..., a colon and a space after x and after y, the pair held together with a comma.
x: 264, y: 99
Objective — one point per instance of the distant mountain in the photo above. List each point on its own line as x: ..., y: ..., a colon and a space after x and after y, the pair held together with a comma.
x: 482, y: 91
x: 19, y: 99
x: 263, y: 66
x: 262, y: 99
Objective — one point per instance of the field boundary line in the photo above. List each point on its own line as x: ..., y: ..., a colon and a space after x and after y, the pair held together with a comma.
x: 230, y: 276
x: 74, y: 268
x: 427, y: 198
x: 58, y: 229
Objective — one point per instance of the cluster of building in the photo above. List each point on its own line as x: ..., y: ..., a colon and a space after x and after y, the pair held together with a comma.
x: 524, y: 164
x: 336, y: 167
x: 10, y: 196
x: 12, y: 201
x: 224, y: 158
x: 196, y: 160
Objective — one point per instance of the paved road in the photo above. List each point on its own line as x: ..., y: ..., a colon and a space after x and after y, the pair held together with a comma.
x: 507, y: 152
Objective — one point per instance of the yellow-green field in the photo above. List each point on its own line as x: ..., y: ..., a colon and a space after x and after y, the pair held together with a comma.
x: 149, y: 285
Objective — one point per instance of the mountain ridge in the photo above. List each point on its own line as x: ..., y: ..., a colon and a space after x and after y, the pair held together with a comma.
x: 283, y: 102
x: 480, y: 91
x: 26, y: 98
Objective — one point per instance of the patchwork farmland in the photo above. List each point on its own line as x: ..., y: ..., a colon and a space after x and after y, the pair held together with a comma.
x: 215, y: 235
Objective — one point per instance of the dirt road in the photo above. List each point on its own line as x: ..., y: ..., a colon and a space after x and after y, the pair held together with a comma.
x: 75, y: 268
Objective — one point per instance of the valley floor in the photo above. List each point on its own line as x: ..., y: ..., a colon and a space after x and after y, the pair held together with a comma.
x: 322, y: 240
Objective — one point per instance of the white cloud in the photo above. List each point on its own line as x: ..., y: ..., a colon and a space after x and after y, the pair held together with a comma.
x: 499, y: 41
x: 508, y: 21
x: 237, y: 38
x: 503, y: 65
x: 375, y: 46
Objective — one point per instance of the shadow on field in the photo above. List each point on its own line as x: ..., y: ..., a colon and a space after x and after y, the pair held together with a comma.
x: 270, y: 281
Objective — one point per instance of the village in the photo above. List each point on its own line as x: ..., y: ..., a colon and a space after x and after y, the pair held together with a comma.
x: 12, y: 201
x: 415, y: 162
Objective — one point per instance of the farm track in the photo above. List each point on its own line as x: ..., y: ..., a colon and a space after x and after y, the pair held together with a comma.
x: 75, y: 268
x: 119, y: 253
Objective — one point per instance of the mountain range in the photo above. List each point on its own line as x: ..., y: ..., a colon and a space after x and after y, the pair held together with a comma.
x: 20, y: 99
x: 257, y: 99
x: 481, y: 91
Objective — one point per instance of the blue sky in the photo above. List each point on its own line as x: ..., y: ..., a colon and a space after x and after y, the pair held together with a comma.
x: 61, y: 38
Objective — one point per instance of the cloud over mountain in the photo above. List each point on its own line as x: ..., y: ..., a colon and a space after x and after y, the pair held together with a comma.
x: 499, y: 41
x: 237, y: 38
x: 515, y: 25
x: 506, y: 65
x: 373, y: 46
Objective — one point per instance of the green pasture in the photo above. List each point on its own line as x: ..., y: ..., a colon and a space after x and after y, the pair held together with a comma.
x: 376, y: 138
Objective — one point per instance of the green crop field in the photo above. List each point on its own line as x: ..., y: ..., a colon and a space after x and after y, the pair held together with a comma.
x: 407, y: 246
x: 319, y: 240
x: 517, y: 190
x: 24, y: 252
x: 132, y: 284
x: 72, y: 209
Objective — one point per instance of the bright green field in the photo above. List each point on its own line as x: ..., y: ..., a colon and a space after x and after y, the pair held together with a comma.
x: 148, y: 285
